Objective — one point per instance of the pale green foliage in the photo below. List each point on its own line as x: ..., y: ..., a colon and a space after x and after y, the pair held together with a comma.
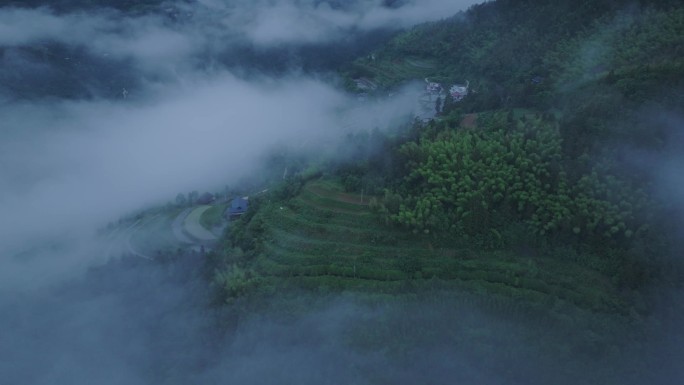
x: 472, y: 180
x: 235, y: 281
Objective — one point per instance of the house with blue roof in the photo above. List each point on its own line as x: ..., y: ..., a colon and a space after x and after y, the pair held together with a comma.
x: 238, y: 206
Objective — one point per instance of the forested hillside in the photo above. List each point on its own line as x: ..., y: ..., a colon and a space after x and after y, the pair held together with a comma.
x: 521, y: 53
x: 569, y: 104
x: 550, y: 156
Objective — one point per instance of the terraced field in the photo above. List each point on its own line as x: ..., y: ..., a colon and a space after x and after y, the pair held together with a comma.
x: 327, y: 238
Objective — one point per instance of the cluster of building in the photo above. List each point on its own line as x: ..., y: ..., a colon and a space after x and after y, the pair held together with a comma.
x: 433, y: 88
x: 457, y: 91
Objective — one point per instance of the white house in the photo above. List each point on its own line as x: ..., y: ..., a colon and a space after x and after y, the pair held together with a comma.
x: 459, y: 91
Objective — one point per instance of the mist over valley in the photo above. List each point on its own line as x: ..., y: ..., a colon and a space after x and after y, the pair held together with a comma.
x: 357, y: 192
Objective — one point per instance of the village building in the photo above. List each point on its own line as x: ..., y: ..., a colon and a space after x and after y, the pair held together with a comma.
x: 433, y: 88
x: 238, y: 206
x: 459, y: 91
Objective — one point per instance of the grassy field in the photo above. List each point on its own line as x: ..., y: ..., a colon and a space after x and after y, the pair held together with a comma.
x: 213, y: 217
x: 324, y: 237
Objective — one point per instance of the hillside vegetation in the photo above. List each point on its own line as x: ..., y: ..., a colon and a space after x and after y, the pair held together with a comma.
x: 325, y: 238
x: 521, y: 195
x: 536, y: 198
x: 570, y: 106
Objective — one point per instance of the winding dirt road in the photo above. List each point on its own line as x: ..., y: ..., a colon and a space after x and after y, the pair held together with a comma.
x: 186, y: 229
x: 195, y: 229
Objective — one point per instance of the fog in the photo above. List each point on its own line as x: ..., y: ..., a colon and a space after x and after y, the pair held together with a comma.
x: 286, y: 21
x: 173, y: 124
x: 104, y: 114
x: 139, y: 322
x: 183, y: 29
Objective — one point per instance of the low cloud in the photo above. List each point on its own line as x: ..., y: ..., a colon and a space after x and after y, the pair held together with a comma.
x: 26, y: 26
x: 295, y: 22
x: 147, y: 40
x: 210, y: 24
x: 70, y: 167
x: 136, y: 322
x: 180, y: 37
x: 169, y: 124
